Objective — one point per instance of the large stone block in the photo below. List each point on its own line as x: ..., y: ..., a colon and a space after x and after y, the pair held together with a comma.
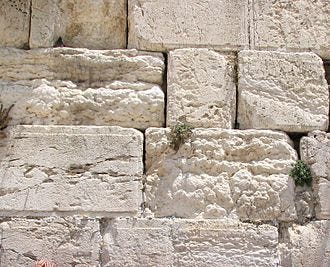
x: 315, y: 151
x: 64, y: 241
x: 163, y: 25
x: 14, y: 23
x: 291, y: 25
x: 89, y: 170
x: 201, y: 88
x: 79, y: 23
x: 80, y: 86
x: 282, y: 91
x: 157, y: 242
x: 220, y: 173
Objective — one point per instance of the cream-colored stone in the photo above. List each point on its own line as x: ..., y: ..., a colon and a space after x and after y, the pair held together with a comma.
x: 76, y: 169
x: 64, y: 241
x: 221, y: 173
x: 309, y: 245
x: 282, y: 91
x: 163, y: 25
x: 14, y: 23
x: 201, y: 88
x: 315, y: 151
x: 291, y: 25
x: 80, y: 86
x: 164, y: 242
x: 80, y: 23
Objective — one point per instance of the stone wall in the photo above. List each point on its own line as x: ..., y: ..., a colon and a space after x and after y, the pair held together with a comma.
x: 90, y: 174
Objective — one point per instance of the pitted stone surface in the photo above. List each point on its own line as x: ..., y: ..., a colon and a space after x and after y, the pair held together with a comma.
x: 64, y: 241
x: 80, y: 23
x: 163, y: 25
x: 201, y: 88
x: 157, y: 242
x: 221, y: 173
x: 80, y: 86
x: 315, y: 151
x: 291, y: 25
x: 14, y: 23
x: 90, y: 170
x: 282, y: 91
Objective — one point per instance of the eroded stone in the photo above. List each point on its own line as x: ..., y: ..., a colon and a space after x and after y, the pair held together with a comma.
x: 201, y: 88
x: 163, y: 25
x: 221, y: 173
x: 90, y: 170
x: 282, y: 91
x: 79, y: 23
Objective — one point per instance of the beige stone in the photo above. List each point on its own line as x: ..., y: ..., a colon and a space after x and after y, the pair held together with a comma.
x: 315, y: 151
x: 291, y: 25
x: 63, y: 241
x: 163, y: 25
x: 282, y: 91
x: 201, y: 87
x: 14, y: 23
x: 80, y: 23
x: 80, y: 86
x: 220, y: 174
x: 72, y: 169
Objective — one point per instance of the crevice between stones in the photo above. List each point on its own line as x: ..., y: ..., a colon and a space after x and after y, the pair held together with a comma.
x: 28, y: 46
x: 164, y: 87
x: 326, y: 64
x: 236, y: 125
x: 127, y: 24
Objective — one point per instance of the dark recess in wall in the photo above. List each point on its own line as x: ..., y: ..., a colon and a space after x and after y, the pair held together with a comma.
x: 326, y: 64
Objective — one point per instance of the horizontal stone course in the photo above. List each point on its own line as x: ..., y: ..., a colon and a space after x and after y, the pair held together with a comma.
x: 220, y: 174
x: 71, y: 170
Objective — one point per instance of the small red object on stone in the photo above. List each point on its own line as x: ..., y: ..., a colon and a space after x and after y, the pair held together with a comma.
x: 44, y: 263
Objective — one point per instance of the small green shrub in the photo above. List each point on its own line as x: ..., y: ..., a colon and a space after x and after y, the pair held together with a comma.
x: 4, y: 116
x: 180, y: 133
x: 301, y: 173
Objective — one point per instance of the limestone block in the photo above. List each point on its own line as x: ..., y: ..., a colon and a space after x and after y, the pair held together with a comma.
x: 282, y: 91
x: 291, y: 25
x: 201, y: 88
x: 76, y: 169
x: 163, y: 25
x: 64, y: 241
x: 315, y: 151
x: 80, y: 86
x: 80, y: 23
x: 221, y: 173
x: 14, y: 23
x: 157, y: 242
x: 310, y: 245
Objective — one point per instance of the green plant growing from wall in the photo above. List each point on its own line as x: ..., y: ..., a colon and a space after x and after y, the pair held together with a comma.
x: 180, y: 133
x: 301, y: 173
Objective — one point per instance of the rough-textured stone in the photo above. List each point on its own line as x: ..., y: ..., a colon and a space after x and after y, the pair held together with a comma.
x: 163, y: 242
x: 291, y: 25
x: 283, y: 91
x: 201, y: 88
x: 221, y: 173
x: 80, y: 86
x: 14, y: 23
x: 92, y: 170
x: 307, y: 245
x: 64, y: 241
x: 315, y: 151
x: 162, y: 25
x: 80, y: 23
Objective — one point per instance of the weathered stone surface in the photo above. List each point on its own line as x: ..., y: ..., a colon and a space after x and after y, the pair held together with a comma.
x: 308, y: 245
x: 315, y: 151
x: 90, y: 170
x: 166, y: 242
x: 64, y: 241
x: 80, y: 23
x: 221, y: 173
x: 163, y: 25
x: 14, y: 23
x: 283, y: 91
x: 80, y: 86
x: 201, y: 88
x: 291, y: 25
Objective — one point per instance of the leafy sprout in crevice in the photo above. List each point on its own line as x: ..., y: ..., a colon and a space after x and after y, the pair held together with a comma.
x: 180, y: 133
x: 4, y: 116
x: 301, y: 173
